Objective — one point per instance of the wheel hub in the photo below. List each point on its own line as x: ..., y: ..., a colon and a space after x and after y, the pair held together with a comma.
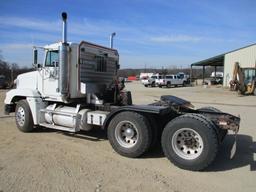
x: 187, y: 143
x: 129, y: 133
x: 126, y: 134
x: 20, y: 116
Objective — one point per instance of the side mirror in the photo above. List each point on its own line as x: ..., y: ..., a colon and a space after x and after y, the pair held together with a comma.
x: 35, y: 53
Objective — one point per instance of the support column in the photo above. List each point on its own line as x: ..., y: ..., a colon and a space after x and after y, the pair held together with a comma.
x: 203, y: 73
x: 215, y: 69
x: 191, y: 75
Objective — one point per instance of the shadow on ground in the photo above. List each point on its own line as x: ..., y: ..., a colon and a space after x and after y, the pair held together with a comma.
x: 92, y: 135
x: 246, y: 149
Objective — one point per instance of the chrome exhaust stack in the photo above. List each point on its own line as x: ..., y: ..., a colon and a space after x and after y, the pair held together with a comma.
x: 64, y: 27
x: 111, y: 40
x: 63, y: 56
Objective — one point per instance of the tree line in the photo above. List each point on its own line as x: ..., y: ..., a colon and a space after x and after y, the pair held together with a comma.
x: 11, y: 70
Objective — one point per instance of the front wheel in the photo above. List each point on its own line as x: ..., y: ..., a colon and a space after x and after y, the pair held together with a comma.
x: 23, y: 116
x: 190, y: 142
x: 130, y: 134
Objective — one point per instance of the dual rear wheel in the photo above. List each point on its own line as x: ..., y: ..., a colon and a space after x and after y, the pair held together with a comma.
x: 130, y: 134
x: 189, y: 141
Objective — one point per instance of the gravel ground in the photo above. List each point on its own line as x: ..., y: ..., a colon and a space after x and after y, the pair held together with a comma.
x: 49, y: 160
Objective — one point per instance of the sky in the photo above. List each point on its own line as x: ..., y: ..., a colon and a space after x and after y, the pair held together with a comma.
x: 151, y: 34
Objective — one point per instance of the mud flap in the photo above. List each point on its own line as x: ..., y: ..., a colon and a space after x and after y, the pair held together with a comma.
x: 233, y: 149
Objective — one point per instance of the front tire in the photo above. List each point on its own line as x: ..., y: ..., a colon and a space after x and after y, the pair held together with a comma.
x: 190, y: 142
x: 130, y: 134
x: 23, y: 117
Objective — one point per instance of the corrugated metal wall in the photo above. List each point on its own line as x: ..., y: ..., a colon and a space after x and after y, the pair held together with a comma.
x: 246, y: 58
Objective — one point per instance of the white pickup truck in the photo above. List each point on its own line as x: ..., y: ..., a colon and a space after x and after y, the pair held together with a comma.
x: 171, y: 80
x: 151, y: 81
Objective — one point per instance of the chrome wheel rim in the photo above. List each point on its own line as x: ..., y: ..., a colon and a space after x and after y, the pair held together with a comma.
x: 126, y: 134
x: 187, y: 143
x: 20, y: 116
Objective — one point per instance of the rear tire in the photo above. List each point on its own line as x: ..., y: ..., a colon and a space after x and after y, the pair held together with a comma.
x: 190, y: 142
x: 130, y: 134
x: 23, y: 117
x: 155, y: 131
x: 168, y: 85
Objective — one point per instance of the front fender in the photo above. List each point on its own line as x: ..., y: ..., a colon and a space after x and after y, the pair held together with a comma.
x: 10, y: 95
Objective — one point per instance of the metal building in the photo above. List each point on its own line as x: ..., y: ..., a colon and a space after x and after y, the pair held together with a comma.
x: 245, y: 56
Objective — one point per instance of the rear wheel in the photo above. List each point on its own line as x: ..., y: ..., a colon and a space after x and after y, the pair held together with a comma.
x: 190, y: 142
x: 130, y: 134
x: 155, y: 131
x: 23, y: 116
x: 168, y: 84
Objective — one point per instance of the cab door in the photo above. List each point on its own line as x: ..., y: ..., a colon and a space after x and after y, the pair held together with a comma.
x: 50, y: 74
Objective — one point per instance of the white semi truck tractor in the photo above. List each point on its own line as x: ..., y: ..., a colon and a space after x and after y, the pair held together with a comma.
x: 76, y: 88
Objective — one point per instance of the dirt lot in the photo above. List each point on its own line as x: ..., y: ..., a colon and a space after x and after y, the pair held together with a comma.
x: 54, y: 161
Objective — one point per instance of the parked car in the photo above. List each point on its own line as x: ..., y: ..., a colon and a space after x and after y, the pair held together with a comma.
x: 171, y: 80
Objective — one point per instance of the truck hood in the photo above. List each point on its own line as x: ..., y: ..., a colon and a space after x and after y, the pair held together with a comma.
x: 27, y: 80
